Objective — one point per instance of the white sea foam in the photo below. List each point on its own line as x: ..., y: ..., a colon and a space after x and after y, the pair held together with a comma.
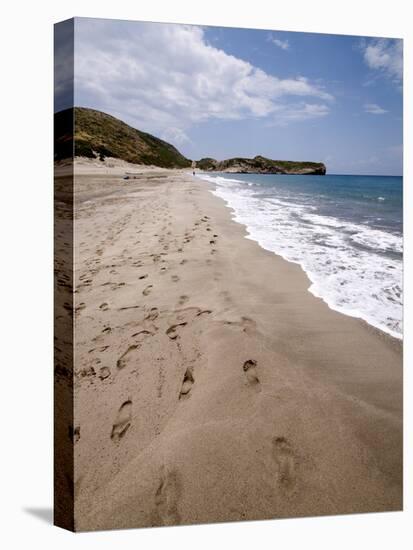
x: 355, y: 269
x: 378, y: 240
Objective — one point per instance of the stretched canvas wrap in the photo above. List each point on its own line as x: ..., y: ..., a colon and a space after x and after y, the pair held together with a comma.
x: 228, y: 274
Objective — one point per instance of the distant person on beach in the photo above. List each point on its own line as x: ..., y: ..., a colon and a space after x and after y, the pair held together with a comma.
x: 193, y: 173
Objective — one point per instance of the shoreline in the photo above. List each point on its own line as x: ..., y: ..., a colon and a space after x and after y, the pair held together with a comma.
x: 381, y: 333
x: 313, y: 282
x: 332, y: 306
x: 241, y: 394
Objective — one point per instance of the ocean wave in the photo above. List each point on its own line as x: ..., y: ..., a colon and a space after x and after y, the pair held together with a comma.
x: 374, y: 239
x: 348, y: 264
x: 219, y: 179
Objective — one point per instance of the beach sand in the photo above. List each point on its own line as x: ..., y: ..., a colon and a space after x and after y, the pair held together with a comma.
x: 210, y: 385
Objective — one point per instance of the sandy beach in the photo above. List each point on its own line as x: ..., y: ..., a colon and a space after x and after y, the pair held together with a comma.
x: 209, y: 384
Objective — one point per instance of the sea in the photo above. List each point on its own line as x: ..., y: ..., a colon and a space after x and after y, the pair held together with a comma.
x: 346, y: 232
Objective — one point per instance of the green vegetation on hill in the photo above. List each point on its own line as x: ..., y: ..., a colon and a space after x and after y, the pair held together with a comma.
x: 261, y: 165
x: 98, y: 135
x: 206, y: 164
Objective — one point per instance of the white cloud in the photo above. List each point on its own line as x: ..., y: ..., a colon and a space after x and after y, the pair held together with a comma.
x: 374, y: 109
x: 175, y: 135
x: 164, y: 78
x: 283, y: 44
x: 298, y: 112
x: 385, y: 55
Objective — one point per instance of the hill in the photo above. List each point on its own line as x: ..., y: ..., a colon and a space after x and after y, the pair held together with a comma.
x: 260, y: 165
x: 98, y: 134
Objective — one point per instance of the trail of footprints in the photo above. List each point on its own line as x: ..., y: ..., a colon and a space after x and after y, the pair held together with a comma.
x: 174, y: 333
x: 123, y: 418
x: 122, y: 260
x: 168, y: 492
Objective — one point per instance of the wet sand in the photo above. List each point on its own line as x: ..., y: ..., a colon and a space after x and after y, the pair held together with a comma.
x: 210, y: 385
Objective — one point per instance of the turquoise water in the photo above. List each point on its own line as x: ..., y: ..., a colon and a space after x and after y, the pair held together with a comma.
x: 345, y: 231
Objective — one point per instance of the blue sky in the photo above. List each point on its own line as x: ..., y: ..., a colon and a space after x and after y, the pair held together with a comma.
x: 224, y: 92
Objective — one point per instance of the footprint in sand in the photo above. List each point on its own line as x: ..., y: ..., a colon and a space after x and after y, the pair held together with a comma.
x: 122, y: 361
x: 104, y: 373
x: 167, y: 497
x: 143, y: 276
x: 286, y: 461
x: 138, y: 337
x: 249, y: 368
x: 173, y: 330
x: 147, y: 290
x: 122, y: 421
x: 187, y: 383
x: 175, y: 278
x: 183, y: 300
x: 104, y: 306
x: 153, y: 314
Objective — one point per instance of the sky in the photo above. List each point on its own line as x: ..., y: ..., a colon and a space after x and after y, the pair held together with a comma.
x: 225, y: 92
